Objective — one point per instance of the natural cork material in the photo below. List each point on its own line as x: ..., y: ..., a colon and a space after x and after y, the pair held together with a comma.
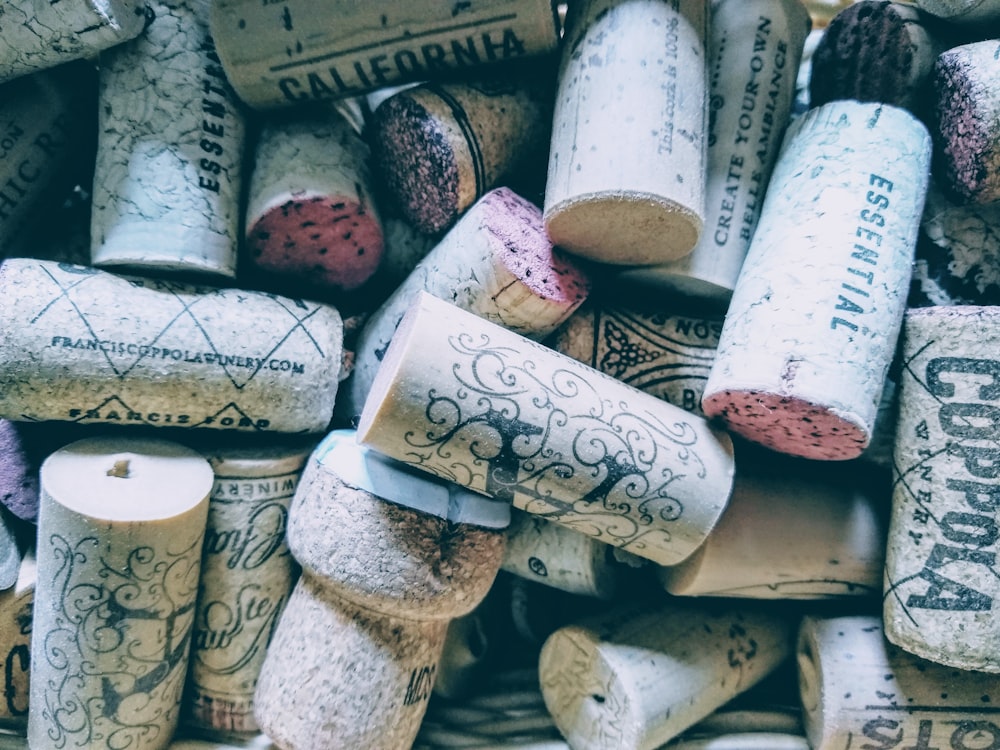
x: 474, y: 403
x: 812, y: 326
x: 629, y: 190
x: 16, y: 605
x: 73, y: 348
x: 962, y: 11
x: 168, y: 174
x: 121, y: 527
x: 942, y: 581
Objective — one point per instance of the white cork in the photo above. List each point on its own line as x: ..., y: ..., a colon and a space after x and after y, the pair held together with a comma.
x: 813, y: 322
x: 559, y: 557
x: 168, y: 174
x: 479, y: 405
x: 84, y: 345
x: 16, y: 606
x: 14, y: 742
x: 121, y: 525
x: 300, y: 50
x: 626, y: 178
x: 42, y: 35
x: 789, y: 534
x: 753, y: 57
x: 859, y: 690
x: 665, y: 354
x: 310, y: 211
x: 638, y: 676
x: 962, y: 11
x: 495, y: 262
x: 247, y: 574
x: 942, y: 581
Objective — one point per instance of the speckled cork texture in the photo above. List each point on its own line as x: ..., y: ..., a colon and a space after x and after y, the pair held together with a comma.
x: 440, y: 147
x: 37, y: 35
x: 876, y: 51
x: 73, y: 349
x: 967, y: 121
x: 300, y: 51
x: 812, y: 326
x: 962, y: 11
x: 311, y: 215
x: 496, y: 262
x: 637, y: 676
x: 853, y: 684
x: 18, y: 472
x: 168, y: 173
x: 16, y: 605
x: 472, y: 402
x: 941, y: 575
x: 629, y: 190
x: 754, y: 50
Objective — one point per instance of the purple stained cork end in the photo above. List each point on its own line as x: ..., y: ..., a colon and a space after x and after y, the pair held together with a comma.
x: 18, y: 473
x: 967, y: 110
x: 417, y: 162
x: 329, y: 241
x: 526, y: 251
x: 789, y: 425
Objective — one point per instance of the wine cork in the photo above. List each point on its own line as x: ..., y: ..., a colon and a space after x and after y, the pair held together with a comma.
x: 629, y: 190
x: 663, y: 353
x: 120, y: 531
x: 39, y: 36
x: 966, y: 110
x: 745, y: 741
x: 75, y: 350
x: 857, y: 689
x: 962, y: 11
x: 753, y: 56
x: 301, y: 51
x: 479, y: 405
x: 39, y: 120
x: 823, y: 11
x: 168, y: 174
x: 247, y: 574
x: 18, y: 471
x: 813, y: 323
x: 440, y: 147
x: 941, y: 576
x: 559, y: 557
x: 638, y: 676
x: 495, y: 262
x: 14, y: 742
x: 877, y: 51
x: 16, y: 606
x: 789, y: 534
x: 311, y: 215
x: 958, y: 255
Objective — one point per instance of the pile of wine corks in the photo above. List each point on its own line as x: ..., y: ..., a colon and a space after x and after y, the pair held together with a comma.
x: 608, y: 375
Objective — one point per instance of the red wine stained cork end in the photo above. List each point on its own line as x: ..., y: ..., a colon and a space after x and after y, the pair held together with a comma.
x: 525, y: 250
x: 789, y: 425
x: 334, y: 243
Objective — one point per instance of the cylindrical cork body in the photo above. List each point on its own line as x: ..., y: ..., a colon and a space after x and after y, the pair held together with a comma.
x: 636, y: 677
x: 966, y: 116
x: 941, y: 574
x: 559, y: 557
x: 876, y: 51
x: 42, y: 35
x: 665, y: 355
x: 301, y: 50
x: 120, y: 526
x: 38, y: 123
x: 754, y: 53
x: 962, y: 11
x: 789, y: 533
x: 311, y: 214
x: 247, y: 574
x: 168, y: 174
x: 16, y: 606
x: 338, y: 675
x: 84, y: 345
x: 629, y: 190
x: 495, y: 262
x: 498, y: 413
x: 856, y: 687
x: 813, y: 323
x: 441, y: 147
